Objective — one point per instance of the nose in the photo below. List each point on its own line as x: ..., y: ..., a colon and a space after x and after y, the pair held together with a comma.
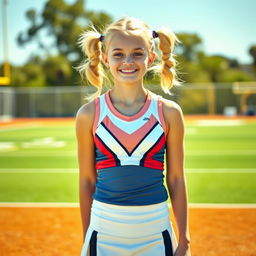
x: 128, y: 60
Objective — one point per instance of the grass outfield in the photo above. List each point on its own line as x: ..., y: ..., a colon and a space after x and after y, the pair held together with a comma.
x: 38, y: 163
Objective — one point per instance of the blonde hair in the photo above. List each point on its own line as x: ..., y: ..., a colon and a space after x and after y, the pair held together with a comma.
x: 93, y: 46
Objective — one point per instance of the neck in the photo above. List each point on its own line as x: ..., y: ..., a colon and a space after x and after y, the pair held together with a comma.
x: 128, y: 94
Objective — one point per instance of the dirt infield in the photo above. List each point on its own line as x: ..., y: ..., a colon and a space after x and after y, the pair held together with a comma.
x: 58, y: 231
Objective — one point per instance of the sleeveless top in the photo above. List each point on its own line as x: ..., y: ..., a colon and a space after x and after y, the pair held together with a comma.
x: 129, y: 153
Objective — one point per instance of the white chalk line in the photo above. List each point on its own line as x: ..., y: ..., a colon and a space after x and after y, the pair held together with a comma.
x: 38, y: 170
x: 11, y: 152
x: 221, y: 170
x: 76, y: 205
x: 8, y: 128
x: 74, y: 170
x: 219, y: 122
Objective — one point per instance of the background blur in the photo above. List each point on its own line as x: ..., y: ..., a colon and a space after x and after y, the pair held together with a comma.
x: 217, y: 54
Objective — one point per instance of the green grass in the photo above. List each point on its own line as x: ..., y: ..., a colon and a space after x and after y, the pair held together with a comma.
x: 207, y: 147
x: 221, y: 188
x: 39, y: 187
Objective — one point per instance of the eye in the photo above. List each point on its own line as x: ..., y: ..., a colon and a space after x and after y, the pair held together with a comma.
x: 138, y: 54
x: 119, y: 54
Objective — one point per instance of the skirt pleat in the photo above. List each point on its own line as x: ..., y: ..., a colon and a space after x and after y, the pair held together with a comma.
x: 117, y: 230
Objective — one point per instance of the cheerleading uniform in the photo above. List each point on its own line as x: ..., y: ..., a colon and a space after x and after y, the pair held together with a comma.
x: 129, y: 214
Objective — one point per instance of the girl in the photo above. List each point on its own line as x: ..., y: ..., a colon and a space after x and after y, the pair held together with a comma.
x: 122, y: 136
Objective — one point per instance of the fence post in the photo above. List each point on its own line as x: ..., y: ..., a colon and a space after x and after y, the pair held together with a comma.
x: 211, y: 99
x: 57, y: 92
x: 32, y: 105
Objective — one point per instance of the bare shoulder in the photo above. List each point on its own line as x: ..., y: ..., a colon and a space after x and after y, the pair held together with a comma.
x: 85, y: 115
x: 173, y: 114
x: 171, y: 107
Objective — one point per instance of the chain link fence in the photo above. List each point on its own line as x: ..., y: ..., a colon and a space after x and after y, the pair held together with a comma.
x: 204, y: 98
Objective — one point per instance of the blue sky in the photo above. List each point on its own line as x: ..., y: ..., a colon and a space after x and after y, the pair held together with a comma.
x: 226, y: 26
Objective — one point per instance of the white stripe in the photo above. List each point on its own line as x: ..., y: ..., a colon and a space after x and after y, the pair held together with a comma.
x: 219, y: 122
x: 219, y: 205
x: 76, y: 205
x: 103, y: 109
x: 39, y: 204
x: 149, y: 141
x: 222, y: 152
x: 110, y: 141
x: 35, y: 153
x: 74, y: 170
x: 20, y: 127
x: 221, y: 170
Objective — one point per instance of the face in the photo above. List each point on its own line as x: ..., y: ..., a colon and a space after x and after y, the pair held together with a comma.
x: 128, y: 58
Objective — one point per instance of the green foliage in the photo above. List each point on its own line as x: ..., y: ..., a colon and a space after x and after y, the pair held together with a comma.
x: 190, y: 45
x: 63, y: 23
x: 252, y: 52
x: 231, y: 75
x: 193, y: 101
x: 29, y: 75
x: 191, y: 72
x: 57, y: 70
x: 214, y: 65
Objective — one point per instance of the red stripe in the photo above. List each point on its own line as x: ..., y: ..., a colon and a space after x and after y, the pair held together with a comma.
x: 110, y: 162
x: 149, y: 161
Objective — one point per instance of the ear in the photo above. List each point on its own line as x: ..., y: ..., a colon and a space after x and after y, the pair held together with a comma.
x: 105, y: 60
x: 151, y: 58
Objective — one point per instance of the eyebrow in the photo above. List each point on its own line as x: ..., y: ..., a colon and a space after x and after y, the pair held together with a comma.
x: 120, y: 49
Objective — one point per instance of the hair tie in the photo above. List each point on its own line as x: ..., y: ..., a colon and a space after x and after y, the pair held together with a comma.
x: 102, y: 37
x: 154, y: 34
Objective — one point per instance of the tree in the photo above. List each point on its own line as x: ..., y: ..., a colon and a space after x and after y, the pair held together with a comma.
x: 57, y: 69
x: 29, y: 75
x: 252, y: 52
x: 190, y: 45
x: 63, y: 23
x: 214, y: 65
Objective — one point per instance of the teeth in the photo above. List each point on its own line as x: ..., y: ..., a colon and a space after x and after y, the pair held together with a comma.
x: 128, y: 71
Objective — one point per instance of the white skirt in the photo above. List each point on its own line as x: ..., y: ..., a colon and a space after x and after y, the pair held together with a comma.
x: 117, y: 230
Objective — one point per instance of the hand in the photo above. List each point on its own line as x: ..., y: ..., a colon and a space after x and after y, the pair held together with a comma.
x: 182, y: 251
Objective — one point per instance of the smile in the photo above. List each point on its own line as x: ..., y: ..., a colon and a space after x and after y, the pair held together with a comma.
x: 128, y: 71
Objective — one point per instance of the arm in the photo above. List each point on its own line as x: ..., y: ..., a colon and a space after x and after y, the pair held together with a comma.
x: 175, y: 174
x: 86, y: 159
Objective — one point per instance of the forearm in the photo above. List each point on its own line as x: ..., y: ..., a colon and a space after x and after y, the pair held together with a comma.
x: 86, y: 197
x: 178, y: 194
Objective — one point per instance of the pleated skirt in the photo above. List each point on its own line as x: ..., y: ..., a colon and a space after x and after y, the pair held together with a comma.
x: 117, y: 230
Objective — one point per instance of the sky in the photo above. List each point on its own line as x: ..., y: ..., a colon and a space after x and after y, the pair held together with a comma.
x: 227, y: 27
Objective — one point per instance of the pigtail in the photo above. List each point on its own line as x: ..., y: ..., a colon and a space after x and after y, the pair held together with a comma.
x: 91, y: 68
x: 167, y: 40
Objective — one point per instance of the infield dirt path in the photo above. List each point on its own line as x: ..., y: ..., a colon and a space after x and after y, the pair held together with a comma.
x: 58, y: 231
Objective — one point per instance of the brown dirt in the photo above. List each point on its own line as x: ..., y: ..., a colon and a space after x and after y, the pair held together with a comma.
x: 58, y: 231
